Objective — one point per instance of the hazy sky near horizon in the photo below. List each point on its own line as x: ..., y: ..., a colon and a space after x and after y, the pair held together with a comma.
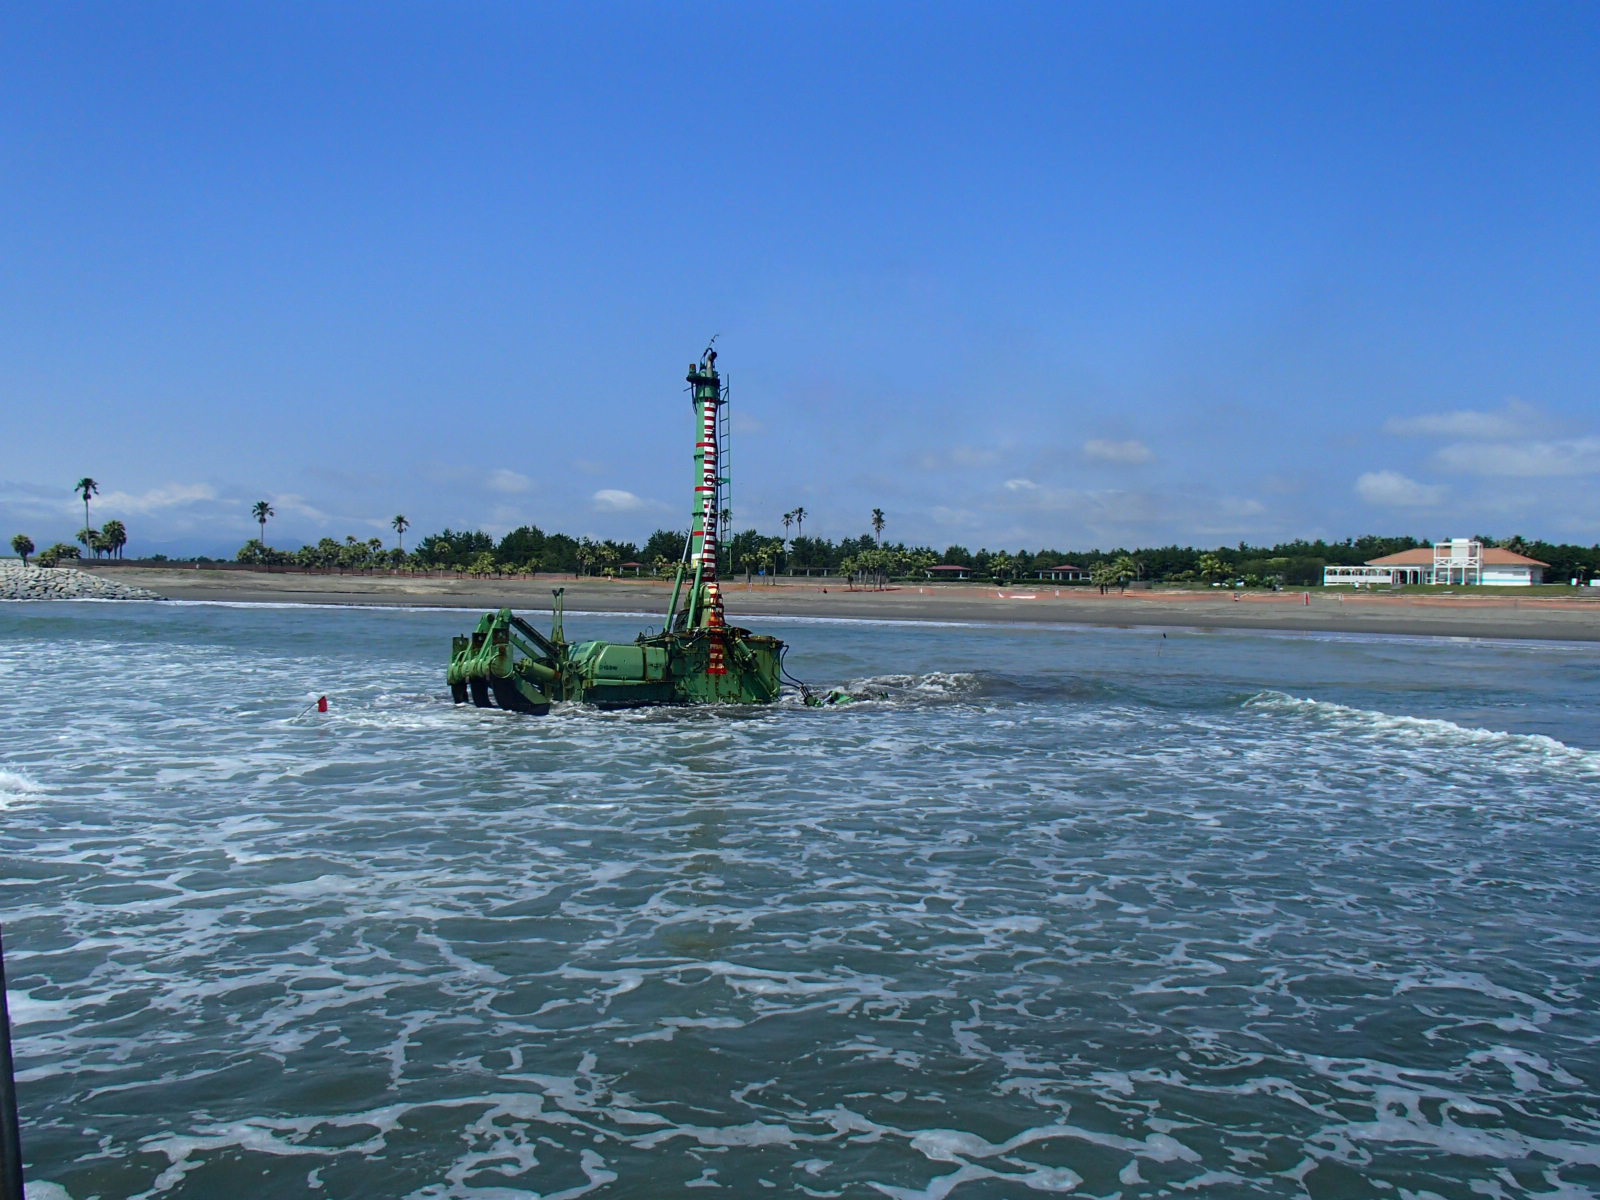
x: 1061, y: 274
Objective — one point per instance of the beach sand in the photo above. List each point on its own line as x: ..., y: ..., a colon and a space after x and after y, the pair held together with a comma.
x: 1536, y: 616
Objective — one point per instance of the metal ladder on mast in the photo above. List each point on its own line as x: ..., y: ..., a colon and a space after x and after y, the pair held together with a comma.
x: 724, y: 481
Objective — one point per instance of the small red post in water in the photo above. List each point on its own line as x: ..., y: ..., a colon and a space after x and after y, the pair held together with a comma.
x: 322, y: 704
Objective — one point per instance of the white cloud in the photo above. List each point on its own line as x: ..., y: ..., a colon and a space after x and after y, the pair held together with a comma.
x: 1125, y: 454
x: 168, y: 495
x: 617, y: 501
x: 1574, y: 456
x: 1021, y: 485
x: 503, y: 480
x: 1390, y: 489
x: 1516, y: 419
x: 291, y: 504
x: 34, y: 502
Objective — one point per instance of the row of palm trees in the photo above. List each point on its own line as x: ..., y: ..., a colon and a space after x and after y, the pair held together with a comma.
x: 114, y: 536
x: 262, y: 510
x: 109, y: 540
x: 797, y: 518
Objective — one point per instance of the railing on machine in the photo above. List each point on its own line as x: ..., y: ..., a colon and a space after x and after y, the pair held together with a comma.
x: 725, y: 479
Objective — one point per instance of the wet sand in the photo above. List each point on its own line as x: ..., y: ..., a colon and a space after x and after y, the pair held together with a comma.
x: 1575, y: 618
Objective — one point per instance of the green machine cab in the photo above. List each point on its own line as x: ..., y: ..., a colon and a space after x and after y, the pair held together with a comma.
x: 696, y: 658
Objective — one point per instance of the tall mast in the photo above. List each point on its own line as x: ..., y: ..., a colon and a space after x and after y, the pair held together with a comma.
x: 703, y: 608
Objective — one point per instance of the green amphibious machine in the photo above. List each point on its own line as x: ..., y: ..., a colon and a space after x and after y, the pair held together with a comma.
x: 697, y: 658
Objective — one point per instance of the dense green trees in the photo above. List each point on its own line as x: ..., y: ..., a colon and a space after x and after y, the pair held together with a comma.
x: 524, y: 545
x: 113, y: 537
x: 51, y: 555
x: 871, y: 559
x: 258, y: 553
x: 447, y: 548
x: 665, y: 543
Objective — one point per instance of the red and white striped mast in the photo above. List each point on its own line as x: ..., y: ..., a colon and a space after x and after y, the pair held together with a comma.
x: 704, y: 608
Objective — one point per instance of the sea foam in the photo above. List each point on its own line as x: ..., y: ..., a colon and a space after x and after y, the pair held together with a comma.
x: 16, y: 789
x: 1429, y: 731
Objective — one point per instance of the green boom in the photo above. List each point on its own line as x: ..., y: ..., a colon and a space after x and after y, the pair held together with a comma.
x: 697, y: 658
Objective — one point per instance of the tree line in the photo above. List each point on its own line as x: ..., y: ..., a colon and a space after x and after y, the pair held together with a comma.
x: 868, y: 558
x: 529, y: 549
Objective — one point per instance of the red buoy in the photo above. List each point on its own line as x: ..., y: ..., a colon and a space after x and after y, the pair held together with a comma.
x: 322, y: 704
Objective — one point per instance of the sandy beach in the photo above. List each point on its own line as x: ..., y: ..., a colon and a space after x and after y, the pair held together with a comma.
x: 1483, y: 616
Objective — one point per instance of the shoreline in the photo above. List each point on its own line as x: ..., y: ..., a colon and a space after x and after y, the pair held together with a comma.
x: 1536, y: 618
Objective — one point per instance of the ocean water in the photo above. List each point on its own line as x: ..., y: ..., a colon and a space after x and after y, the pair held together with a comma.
x: 1067, y: 911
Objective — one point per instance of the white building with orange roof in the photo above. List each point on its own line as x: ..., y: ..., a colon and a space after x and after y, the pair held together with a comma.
x: 1457, y: 561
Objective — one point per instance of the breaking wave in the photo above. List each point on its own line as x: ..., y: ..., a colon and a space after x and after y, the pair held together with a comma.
x: 16, y: 789
x: 1428, y: 732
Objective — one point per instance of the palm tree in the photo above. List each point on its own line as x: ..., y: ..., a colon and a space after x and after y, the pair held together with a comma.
x: 1120, y: 571
x: 724, y: 534
x: 767, y: 558
x: 261, y: 512
x: 788, y: 520
x: 799, y: 523
x: 86, y: 487
x: 115, y: 536
x: 400, y: 526
x: 877, y: 524
x: 22, y: 544
x: 1212, y: 567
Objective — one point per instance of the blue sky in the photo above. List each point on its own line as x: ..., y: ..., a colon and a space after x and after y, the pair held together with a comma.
x: 1069, y: 274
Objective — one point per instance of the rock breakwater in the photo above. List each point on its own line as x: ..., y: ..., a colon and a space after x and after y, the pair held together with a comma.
x: 18, y: 582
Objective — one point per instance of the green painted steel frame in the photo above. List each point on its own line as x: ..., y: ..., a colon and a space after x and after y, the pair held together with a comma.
x: 695, y: 659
